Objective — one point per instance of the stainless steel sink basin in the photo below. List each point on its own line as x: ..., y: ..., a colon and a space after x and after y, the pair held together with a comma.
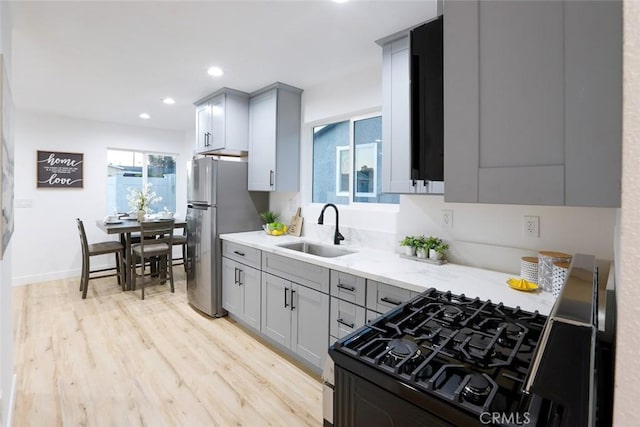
x: 325, y: 251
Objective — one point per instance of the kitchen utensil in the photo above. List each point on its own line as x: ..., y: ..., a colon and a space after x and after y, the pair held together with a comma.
x: 295, y: 228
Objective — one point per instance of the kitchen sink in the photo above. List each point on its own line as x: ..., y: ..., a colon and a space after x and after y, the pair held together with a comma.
x: 325, y: 251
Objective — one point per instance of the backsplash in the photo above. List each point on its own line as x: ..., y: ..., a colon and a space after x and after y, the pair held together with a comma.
x: 483, y: 235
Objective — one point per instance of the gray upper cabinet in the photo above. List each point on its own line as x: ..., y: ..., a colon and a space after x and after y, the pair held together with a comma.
x: 222, y: 123
x: 396, y: 117
x: 532, y: 98
x: 274, y: 138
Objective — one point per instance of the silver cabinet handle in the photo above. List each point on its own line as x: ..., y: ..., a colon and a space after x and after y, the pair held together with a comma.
x: 240, y: 277
x: 346, y: 288
x: 235, y: 275
x: 348, y: 325
x: 390, y: 301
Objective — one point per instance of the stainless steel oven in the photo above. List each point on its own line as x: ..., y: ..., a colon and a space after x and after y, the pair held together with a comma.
x: 450, y: 360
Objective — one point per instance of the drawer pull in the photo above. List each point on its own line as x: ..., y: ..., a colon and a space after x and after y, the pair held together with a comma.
x: 346, y: 288
x: 238, y: 253
x: 348, y: 325
x: 390, y: 301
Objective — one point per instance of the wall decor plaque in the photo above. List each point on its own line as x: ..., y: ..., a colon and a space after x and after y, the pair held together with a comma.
x: 59, y: 170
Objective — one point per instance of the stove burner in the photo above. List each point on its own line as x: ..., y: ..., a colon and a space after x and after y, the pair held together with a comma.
x: 511, y: 328
x: 400, y: 348
x: 451, y: 313
x: 477, y: 389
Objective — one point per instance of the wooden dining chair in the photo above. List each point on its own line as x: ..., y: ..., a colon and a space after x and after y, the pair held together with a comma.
x: 100, y: 248
x: 156, y: 245
x: 181, y: 240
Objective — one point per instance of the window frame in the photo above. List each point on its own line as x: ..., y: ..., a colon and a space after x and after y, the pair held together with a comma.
x: 145, y: 172
x: 306, y: 188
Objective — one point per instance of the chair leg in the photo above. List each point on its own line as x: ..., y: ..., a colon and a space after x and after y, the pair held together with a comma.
x: 170, y: 267
x: 142, y: 261
x: 120, y: 264
x: 117, y: 256
x: 184, y: 257
x: 85, y: 279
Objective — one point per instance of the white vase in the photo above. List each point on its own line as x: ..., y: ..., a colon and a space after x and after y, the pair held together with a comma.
x: 434, y: 255
x: 140, y: 216
x: 409, y: 250
x: 421, y: 253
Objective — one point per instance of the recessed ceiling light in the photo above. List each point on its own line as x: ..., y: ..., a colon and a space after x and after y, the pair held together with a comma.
x: 144, y: 116
x: 215, y: 71
x: 169, y: 101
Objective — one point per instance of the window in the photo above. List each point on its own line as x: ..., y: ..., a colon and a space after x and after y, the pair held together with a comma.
x: 340, y: 177
x: 133, y: 169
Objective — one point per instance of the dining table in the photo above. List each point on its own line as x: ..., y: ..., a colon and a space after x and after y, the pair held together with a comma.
x: 125, y: 227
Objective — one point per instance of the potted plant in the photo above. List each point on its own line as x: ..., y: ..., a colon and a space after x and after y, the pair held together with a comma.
x: 410, y: 244
x: 269, y: 217
x: 141, y: 200
x: 437, y: 252
x: 422, y: 250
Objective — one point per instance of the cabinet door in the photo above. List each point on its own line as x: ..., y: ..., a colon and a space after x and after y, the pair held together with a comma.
x: 396, y: 118
x: 262, y: 141
x: 251, y: 291
x: 217, y: 108
x: 276, y: 311
x: 231, y: 292
x: 203, y: 126
x: 310, y: 324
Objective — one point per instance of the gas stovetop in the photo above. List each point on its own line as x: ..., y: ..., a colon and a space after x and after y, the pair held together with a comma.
x: 470, y: 353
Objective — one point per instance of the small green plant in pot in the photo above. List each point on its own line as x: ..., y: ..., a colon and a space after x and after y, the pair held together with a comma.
x: 438, y: 251
x: 269, y: 217
x: 410, y: 244
x: 422, y: 250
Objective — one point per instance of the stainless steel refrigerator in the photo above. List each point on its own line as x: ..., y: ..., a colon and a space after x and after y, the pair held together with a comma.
x: 217, y: 202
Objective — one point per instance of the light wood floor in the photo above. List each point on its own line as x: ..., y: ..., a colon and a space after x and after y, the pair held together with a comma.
x: 114, y: 360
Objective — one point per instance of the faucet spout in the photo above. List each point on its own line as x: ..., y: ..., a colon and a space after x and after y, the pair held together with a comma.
x: 337, y: 236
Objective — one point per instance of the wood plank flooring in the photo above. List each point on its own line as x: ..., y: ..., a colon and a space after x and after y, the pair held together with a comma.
x: 114, y: 360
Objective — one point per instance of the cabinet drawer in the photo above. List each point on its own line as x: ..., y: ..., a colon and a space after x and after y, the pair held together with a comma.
x: 345, y: 317
x: 348, y: 287
x: 304, y: 273
x: 244, y: 254
x: 382, y: 297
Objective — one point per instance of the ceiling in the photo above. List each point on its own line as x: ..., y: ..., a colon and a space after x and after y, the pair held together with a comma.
x: 111, y: 61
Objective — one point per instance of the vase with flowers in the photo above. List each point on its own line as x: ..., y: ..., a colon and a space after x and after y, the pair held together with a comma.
x: 140, y: 200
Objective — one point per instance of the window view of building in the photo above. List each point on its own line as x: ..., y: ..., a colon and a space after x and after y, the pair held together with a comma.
x: 133, y: 169
x: 339, y: 177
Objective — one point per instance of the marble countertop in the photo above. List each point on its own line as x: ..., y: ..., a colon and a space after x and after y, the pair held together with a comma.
x: 389, y: 267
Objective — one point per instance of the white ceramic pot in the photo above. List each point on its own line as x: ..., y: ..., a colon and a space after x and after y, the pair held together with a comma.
x: 434, y: 255
x: 409, y: 250
x: 422, y: 253
x: 140, y: 216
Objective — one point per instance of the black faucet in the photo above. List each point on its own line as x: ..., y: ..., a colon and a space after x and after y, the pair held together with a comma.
x: 337, y: 236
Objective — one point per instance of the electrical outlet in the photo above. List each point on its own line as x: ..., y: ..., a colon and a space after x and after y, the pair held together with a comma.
x: 531, y: 226
x: 447, y: 218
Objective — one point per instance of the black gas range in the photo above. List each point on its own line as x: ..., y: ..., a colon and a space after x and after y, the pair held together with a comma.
x: 447, y: 360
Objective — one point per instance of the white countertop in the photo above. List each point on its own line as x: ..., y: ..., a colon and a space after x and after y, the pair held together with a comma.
x: 389, y: 267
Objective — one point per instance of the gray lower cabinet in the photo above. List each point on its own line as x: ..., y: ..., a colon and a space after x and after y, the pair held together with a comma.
x: 382, y: 297
x: 241, y: 291
x: 345, y: 318
x: 295, y: 317
x: 532, y: 98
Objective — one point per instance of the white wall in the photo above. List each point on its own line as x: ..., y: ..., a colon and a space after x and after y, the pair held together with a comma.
x: 7, y: 377
x: 628, y: 340
x: 46, y: 243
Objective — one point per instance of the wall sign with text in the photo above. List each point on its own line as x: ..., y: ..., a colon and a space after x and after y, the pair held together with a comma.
x: 59, y: 170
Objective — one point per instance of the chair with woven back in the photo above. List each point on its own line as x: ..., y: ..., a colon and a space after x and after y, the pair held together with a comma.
x: 94, y: 249
x: 155, y: 245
